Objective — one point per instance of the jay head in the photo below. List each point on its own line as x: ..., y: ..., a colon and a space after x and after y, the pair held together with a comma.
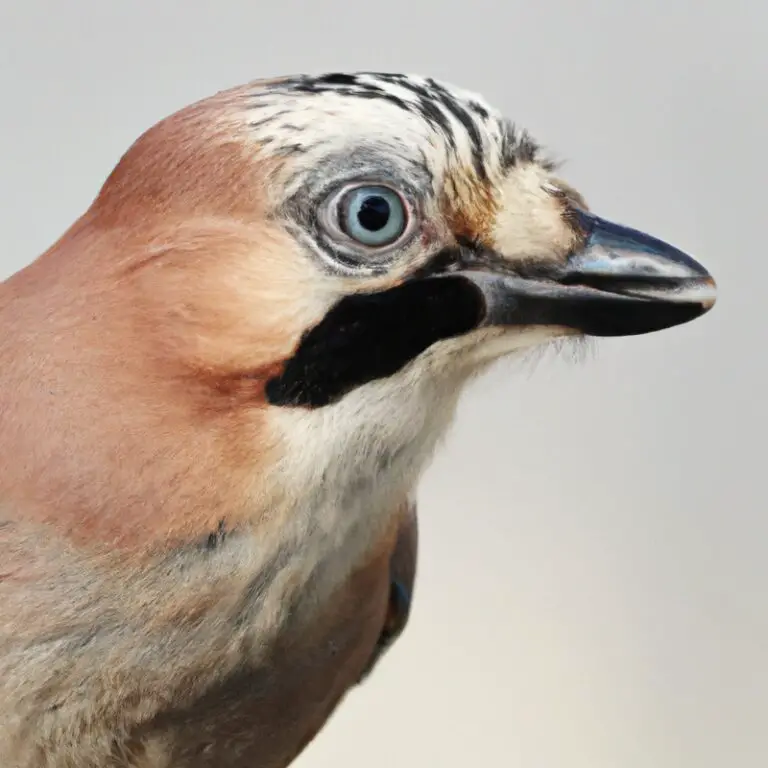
x: 221, y: 385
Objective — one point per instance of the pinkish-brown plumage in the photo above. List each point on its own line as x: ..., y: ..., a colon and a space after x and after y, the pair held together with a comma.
x: 207, y: 532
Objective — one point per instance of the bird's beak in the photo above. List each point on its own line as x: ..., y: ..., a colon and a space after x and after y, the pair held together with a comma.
x: 620, y: 282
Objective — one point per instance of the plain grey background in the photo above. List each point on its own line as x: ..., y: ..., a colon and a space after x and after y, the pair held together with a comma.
x: 593, y: 571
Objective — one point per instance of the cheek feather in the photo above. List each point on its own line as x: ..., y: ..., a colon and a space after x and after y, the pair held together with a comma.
x: 224, y: 300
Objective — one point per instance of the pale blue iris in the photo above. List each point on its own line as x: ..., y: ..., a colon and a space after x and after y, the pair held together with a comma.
x: 374, y: 216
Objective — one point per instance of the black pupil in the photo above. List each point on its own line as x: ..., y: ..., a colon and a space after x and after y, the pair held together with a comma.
x: 374, y: 213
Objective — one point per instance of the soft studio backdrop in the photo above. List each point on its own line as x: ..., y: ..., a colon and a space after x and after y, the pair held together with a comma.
x: 593, y: 570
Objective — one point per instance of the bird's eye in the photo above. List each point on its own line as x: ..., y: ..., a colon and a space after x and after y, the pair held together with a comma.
x: 374, y: 216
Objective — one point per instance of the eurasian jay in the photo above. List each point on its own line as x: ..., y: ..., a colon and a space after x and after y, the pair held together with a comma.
x: 220, y: 388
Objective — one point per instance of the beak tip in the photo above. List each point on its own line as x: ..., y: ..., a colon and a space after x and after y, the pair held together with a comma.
x: 708, y: 298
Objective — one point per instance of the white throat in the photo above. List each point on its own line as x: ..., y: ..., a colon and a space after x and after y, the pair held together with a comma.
x: 351, y: 465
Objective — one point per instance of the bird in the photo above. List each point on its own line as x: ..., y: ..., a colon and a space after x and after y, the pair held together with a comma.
x: 222, y: 383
